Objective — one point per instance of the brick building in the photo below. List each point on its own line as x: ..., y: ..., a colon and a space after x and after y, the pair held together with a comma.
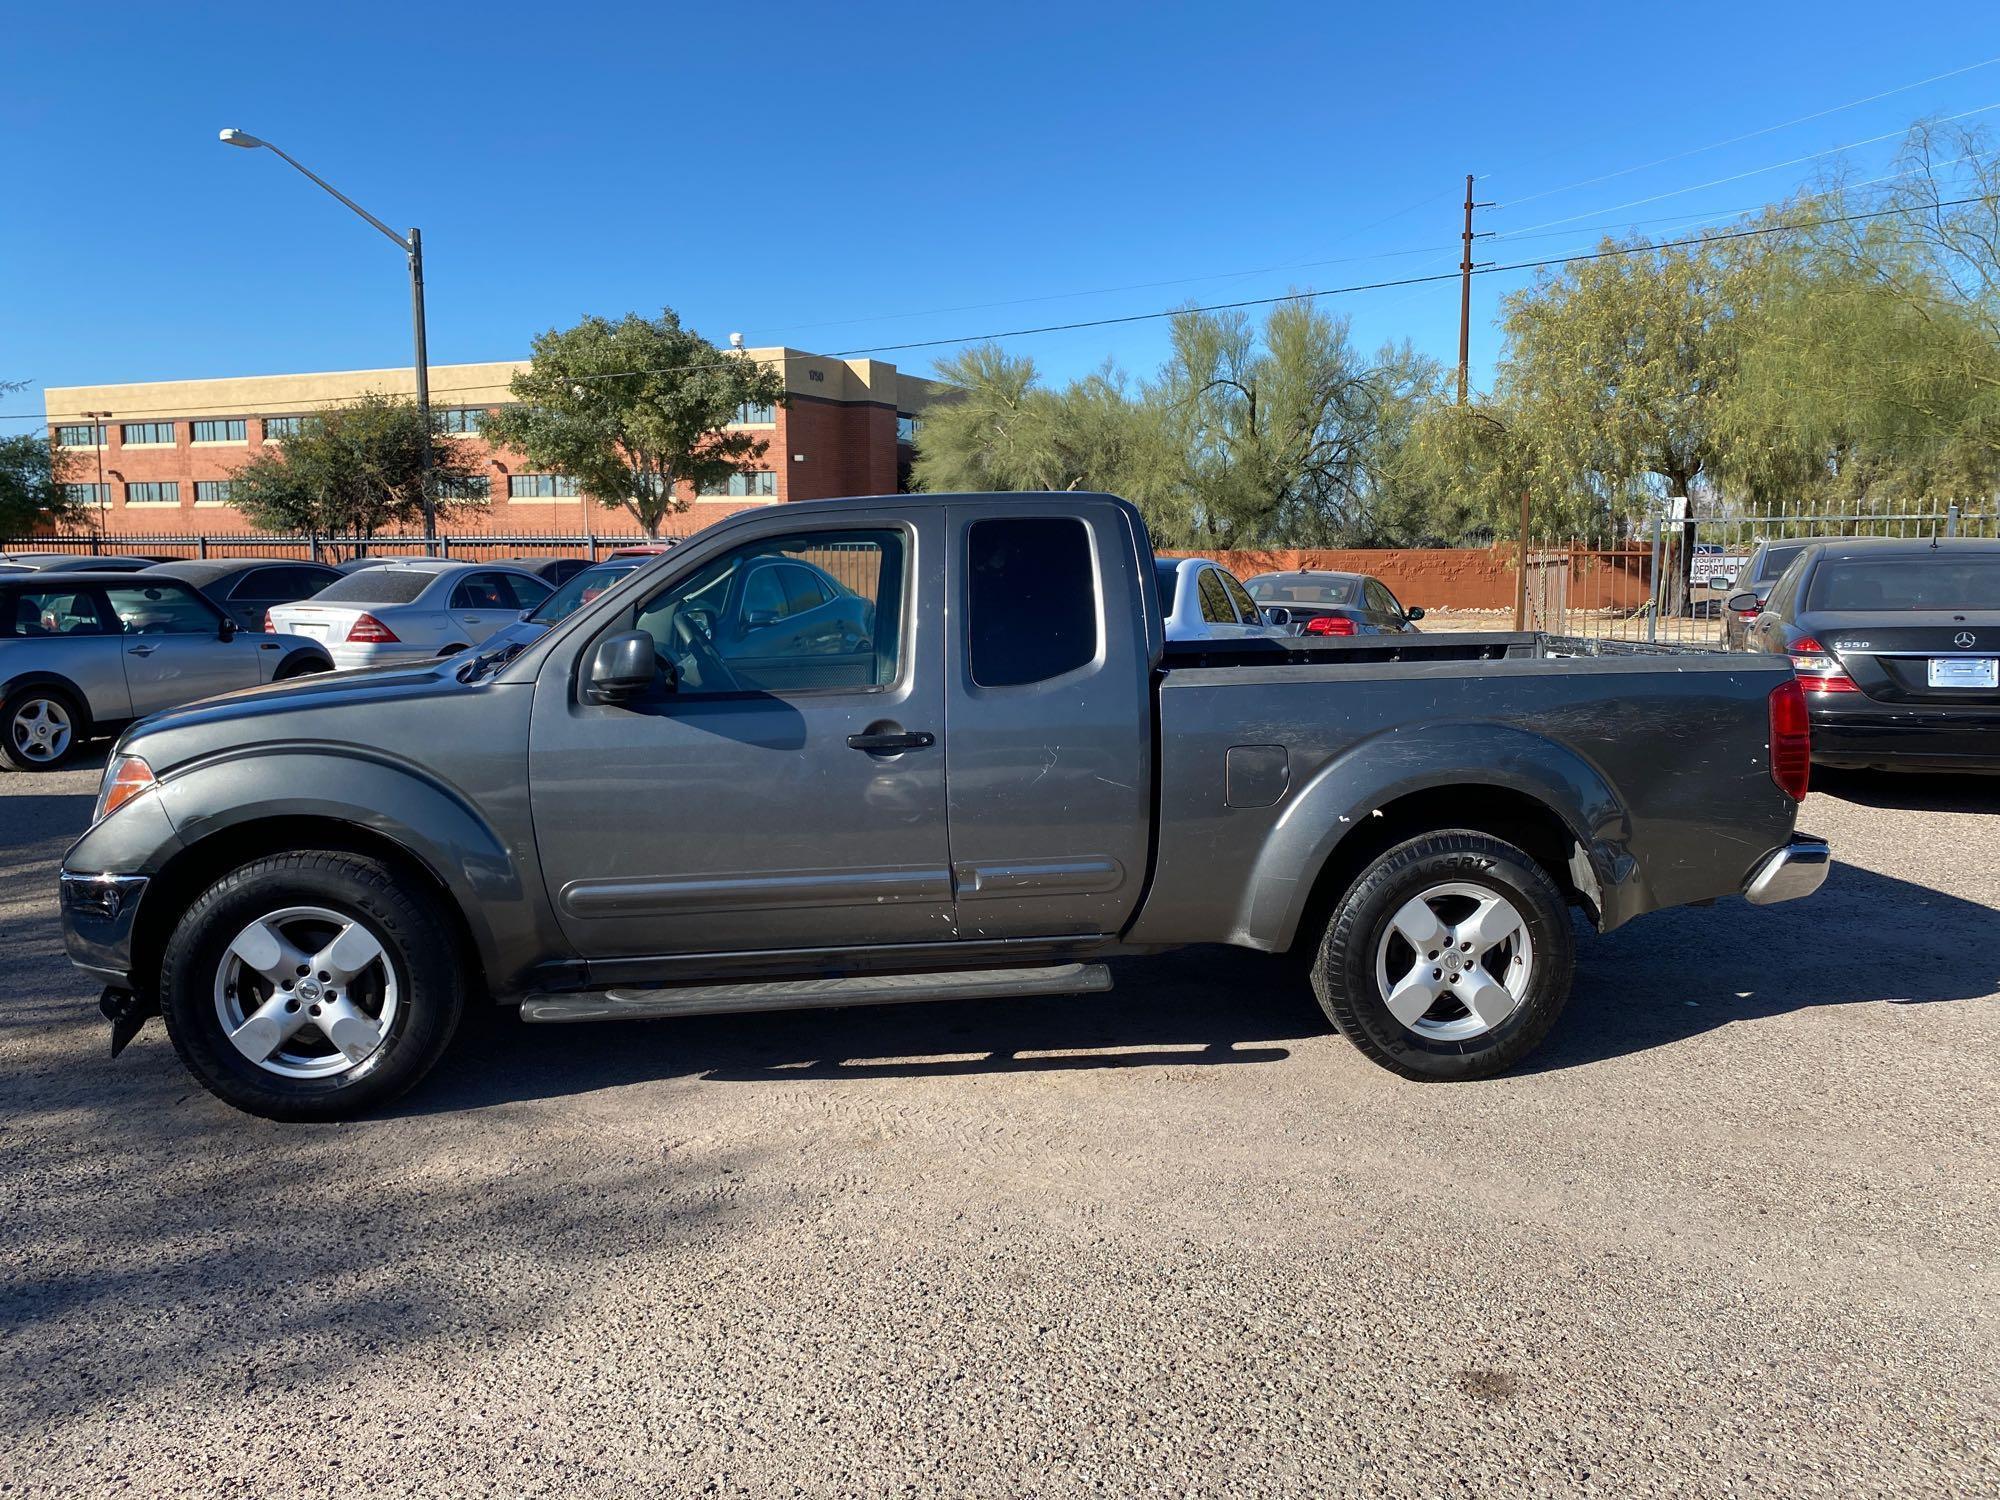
x: 166, y: 449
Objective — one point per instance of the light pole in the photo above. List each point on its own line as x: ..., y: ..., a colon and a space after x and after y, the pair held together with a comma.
x: 413, y: 247
x: 98, y: 419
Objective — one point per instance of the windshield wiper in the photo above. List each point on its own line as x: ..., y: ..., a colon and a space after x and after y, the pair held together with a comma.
x: 473, y: 670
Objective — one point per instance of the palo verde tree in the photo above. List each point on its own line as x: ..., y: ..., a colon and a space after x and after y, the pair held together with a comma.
x: 635, y: 409
x: 355, y: 470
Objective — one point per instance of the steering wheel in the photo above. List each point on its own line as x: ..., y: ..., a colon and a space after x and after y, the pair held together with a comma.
x: 690, y: 638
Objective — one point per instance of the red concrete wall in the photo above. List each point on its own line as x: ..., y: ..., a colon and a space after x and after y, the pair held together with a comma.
x: 1443, y: 578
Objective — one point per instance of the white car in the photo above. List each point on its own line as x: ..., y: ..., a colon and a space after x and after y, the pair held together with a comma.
x: 1203, y: 602
x: 409, y: 611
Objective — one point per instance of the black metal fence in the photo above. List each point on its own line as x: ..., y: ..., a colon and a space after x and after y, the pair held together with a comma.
x: 472, y: 548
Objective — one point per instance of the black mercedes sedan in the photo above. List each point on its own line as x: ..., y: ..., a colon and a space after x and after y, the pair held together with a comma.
x: 1897, y: 645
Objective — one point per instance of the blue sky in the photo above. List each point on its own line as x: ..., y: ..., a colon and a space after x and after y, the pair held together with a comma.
x: 845, y: 177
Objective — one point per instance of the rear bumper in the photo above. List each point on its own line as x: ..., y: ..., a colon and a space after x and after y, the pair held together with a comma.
x: 1928, y: 739
x: 1785, y: 874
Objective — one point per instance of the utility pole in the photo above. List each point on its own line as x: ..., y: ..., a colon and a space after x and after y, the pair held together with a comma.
x: 1465, y: 292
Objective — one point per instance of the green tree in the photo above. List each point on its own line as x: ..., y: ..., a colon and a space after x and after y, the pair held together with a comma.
x: 355, y: 470
x: 634, y: 410
x: 35, y: 476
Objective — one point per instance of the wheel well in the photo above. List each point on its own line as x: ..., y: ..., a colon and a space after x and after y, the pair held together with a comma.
x: 189, y: 873
x: 300, y: 664
x: 1527, y: 823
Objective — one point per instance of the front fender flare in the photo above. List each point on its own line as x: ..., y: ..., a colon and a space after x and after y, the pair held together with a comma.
x: 354, y: 784
x: 1371, y: 773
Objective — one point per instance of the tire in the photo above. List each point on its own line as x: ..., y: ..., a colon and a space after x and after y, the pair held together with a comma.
x: 1469, y: 1008
x: 334, y: 1050
x: 42, y: 728
x: 304, y: 666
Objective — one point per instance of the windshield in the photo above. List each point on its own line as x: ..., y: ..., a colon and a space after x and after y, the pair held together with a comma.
x: 1889, y: 583
x: 583, y: 588
x: 1282, y: 589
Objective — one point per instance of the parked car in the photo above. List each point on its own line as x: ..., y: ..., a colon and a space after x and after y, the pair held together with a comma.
x: 554, y: 571
x: 1012, y: 776
x: 1897, y: 646
x: 560, y: 605
x: 356, y: 564
x: 1203, y: 601
x: 644, y: 549
x: 1757, y: 578
x: 245, y: 587
x: 72, y: 562
x: 1327, y: 603
x: 83, y: 654
x: 407, y: 611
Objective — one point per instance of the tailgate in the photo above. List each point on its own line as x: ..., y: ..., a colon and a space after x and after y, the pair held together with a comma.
x: 1943, y: 659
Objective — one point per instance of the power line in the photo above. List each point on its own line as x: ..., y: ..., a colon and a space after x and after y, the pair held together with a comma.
x: 1753, y: 172
x: 1751, y: 135
x: 1545, y: 263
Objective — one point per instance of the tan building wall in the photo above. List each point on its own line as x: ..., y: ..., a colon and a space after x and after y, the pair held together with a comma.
x: 836, y: 435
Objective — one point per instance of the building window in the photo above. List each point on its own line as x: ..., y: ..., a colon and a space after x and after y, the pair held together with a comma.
x: 147, y: 432
x: 751, y: 415
x: 739, y: 486
x: 89, y: 436
x: 211, y: 492
x: 281, y: 427
x: 460, y: 419
x: 167, y: 492
x: 221, y: 430
x: 541, y: 487
x: 468, y: 487
x: 906, y: 428
x: 87, y: 494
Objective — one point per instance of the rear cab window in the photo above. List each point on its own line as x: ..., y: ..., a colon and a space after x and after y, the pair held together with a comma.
x: 1031, y: 599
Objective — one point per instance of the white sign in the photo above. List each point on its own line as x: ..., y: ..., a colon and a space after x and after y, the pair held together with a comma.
x: 1704, y: 567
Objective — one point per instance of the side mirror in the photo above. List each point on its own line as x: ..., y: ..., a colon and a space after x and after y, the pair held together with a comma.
x: 1277, y: 614
x: 524, y: 614
x: 757, y: 619
x: 1414, y: 612
x: 621, y: 668
x: 1744, y: 603
x: 1722, y: 581
x: 227, y: 630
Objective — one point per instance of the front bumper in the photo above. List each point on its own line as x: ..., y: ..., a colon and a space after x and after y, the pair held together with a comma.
x: 1785, y: 874
x: 98, y: 914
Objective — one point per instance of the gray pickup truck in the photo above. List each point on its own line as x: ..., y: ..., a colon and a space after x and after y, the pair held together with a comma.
x: 919, y: 747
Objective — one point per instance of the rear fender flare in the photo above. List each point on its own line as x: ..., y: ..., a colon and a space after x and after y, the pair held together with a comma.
x: 1385, y: 767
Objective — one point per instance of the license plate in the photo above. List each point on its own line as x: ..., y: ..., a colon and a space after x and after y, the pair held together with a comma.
x: 1965, y: 671
x: 317, y: 632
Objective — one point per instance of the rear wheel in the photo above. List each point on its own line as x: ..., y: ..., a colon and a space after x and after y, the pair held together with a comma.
x: 1449, y: 958
x: 42, y: 728
x: 310, y: 986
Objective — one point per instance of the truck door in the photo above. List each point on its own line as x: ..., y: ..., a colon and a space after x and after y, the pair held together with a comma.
x: 1048, y: 733
x: 787, y: 796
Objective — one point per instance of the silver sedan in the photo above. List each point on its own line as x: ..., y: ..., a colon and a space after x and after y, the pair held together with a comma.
x: 83, y: 654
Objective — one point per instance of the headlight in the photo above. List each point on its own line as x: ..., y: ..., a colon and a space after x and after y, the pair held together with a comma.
x: 125, y: 777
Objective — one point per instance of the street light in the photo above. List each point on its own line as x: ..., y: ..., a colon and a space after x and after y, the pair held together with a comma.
x: 98, y: 419
x: 413, y: 247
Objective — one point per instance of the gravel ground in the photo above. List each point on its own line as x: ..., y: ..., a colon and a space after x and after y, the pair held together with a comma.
x: 1732, y: 1232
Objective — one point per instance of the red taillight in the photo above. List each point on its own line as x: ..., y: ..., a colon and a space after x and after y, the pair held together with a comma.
x: 1791, y: 740
x: 369, y: 631
x: 1329, y: 625
x: 1819, y: 670
x: 269, y: 628
x: 1751, y: 613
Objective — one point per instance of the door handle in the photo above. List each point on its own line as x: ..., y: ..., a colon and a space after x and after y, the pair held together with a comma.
x: 144, y: 650
x: 917, y: 740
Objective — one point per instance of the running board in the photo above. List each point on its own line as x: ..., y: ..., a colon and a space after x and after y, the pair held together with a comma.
x: 806, y: 994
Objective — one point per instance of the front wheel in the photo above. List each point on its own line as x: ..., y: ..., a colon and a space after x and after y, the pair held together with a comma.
x: 1449, y: 958
x: 310, y: 986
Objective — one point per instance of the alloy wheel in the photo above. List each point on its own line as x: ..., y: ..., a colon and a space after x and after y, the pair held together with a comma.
x: 41, y: 730
x: 305, y: 992
x: 1455, y: 961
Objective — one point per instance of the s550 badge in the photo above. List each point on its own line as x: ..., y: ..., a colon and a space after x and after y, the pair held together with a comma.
x: 1850, y: 645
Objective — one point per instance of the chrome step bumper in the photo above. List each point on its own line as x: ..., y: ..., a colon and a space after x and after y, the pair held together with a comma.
x: 1786, y: 874
x: 806, y: 994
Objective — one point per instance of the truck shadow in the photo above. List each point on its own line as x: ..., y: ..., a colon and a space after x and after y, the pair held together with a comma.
x: 1909, y: 790
x: 1661, y: 980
